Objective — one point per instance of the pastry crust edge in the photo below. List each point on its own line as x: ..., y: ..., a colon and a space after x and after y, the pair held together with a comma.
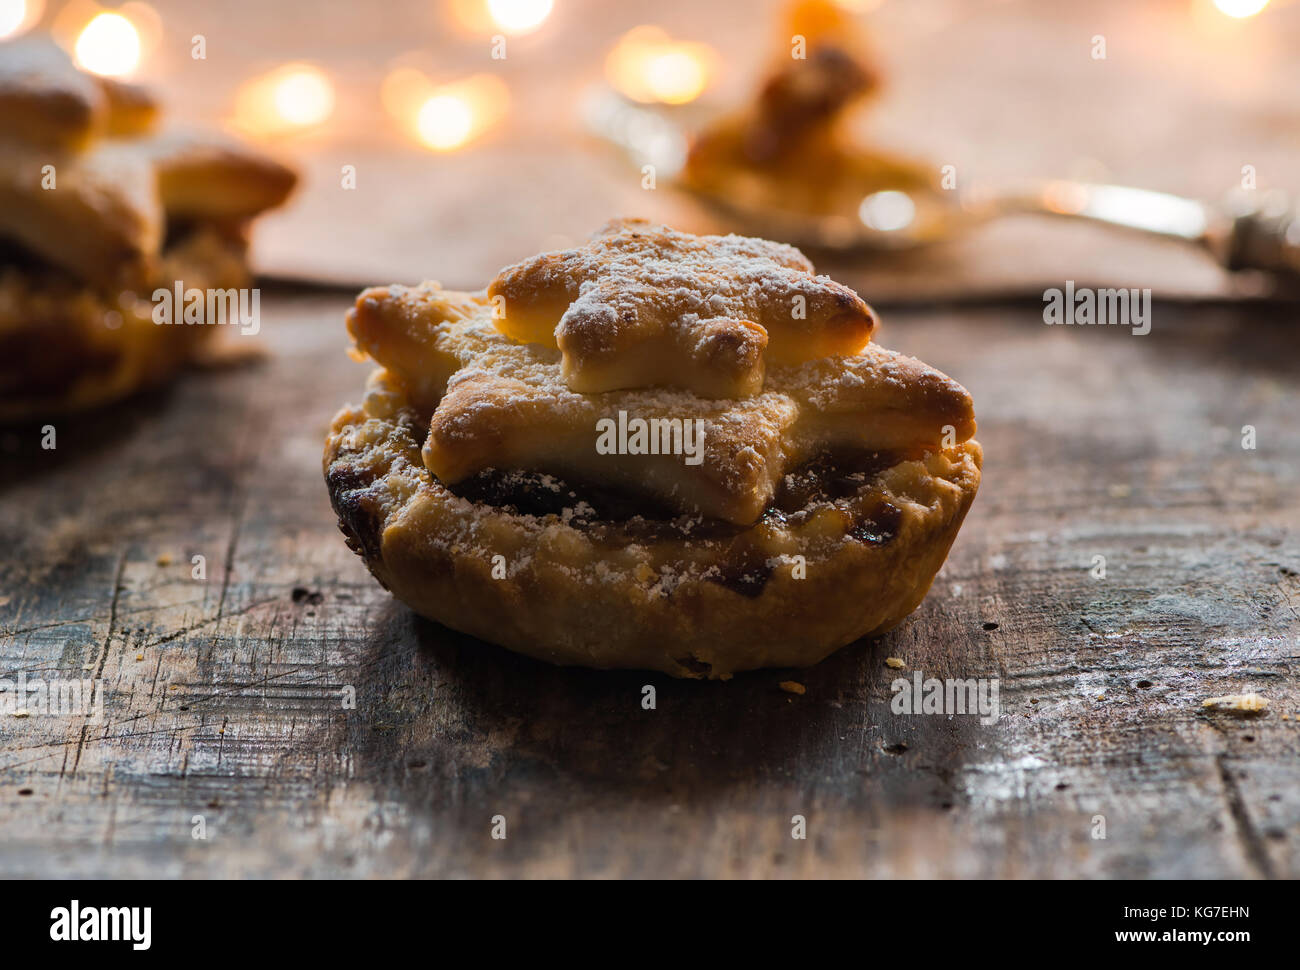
x: 568, y: 601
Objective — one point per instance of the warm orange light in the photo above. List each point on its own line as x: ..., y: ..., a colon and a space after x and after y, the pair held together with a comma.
x: 447, y: 116
x: 647, y: 65
x: 292, y: 97
x: 514, y: 17
x: 109, y: 45
x: 70, y: 20
x: 519, y: 16
x: 452, y: 115
x: 1240, y: 8
x: 403, y: 92
x: 445, y: 121
x: 147, y: 23
x: 471, y: 15
x: 17, y: 16
x: 304, y: 97
x: 13, y: 14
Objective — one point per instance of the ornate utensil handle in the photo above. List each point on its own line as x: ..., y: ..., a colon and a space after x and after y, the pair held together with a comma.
x: 1266, y: 237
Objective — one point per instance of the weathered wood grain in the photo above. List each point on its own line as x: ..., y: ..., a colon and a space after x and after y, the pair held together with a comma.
x: 224, y: 695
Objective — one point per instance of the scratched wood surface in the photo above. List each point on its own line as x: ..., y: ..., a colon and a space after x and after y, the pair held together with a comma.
x: 223, y: 695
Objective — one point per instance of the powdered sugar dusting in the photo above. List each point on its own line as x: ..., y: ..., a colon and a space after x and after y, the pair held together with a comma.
x: 712, y: 303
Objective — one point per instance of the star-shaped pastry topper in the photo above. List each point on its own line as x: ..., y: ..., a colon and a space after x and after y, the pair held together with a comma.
x: 494, y: 402
x: 643, y: 305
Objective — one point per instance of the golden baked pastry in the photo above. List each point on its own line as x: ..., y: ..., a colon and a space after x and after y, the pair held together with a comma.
x: 789, y: 151
x: 488, y: 486
x: 45, y: 98
x: 202, y: 176
x: 132, y: 110
x: 98, y: 212
x: 102, y: 221
x: 48, y: 102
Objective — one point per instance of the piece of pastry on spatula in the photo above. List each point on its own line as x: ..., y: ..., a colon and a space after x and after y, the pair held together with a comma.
x: 657, y: 450
x: 99, y: 212
x: 791, y: 153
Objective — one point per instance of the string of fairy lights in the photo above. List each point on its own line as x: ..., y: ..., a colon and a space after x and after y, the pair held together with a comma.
x: 646, y: 64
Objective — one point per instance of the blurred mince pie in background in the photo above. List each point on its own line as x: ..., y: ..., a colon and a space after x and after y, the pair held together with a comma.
x: 98, y: 210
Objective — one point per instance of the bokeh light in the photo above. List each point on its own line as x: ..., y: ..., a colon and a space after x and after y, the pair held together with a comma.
x: 452, y: 115
x: 17, y: 16
x: 1241, y: 8
x: 445, y: 116
x: 109, y: 45
x: 445, y: 121
x: 519, y: 16
x: 647, y: 65
x: 148, y: 25
x: 293, y: 97
x: 887, y: 211
x: 303, y: 96
x: 404, y: 91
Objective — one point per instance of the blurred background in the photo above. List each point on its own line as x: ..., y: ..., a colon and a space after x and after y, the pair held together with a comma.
x: 424, y: 156
x: 463, y: 118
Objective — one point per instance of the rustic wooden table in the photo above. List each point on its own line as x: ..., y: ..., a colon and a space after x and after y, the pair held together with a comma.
x: 226, y: 749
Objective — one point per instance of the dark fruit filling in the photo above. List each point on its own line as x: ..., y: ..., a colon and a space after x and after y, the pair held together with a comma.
x: 617, y: 515
x: 616, y: 518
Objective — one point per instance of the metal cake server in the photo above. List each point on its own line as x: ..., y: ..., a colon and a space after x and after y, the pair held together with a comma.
x: 1249, y: 230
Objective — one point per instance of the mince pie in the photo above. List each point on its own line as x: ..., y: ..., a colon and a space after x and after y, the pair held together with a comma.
x: 656, y: 450
x: 97, y: 212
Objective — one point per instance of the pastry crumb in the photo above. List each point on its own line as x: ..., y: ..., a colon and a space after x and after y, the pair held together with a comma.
x: 1237, y: 703
x: 896, y: 662
x: 164, y: 560
x: 792, y: 687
